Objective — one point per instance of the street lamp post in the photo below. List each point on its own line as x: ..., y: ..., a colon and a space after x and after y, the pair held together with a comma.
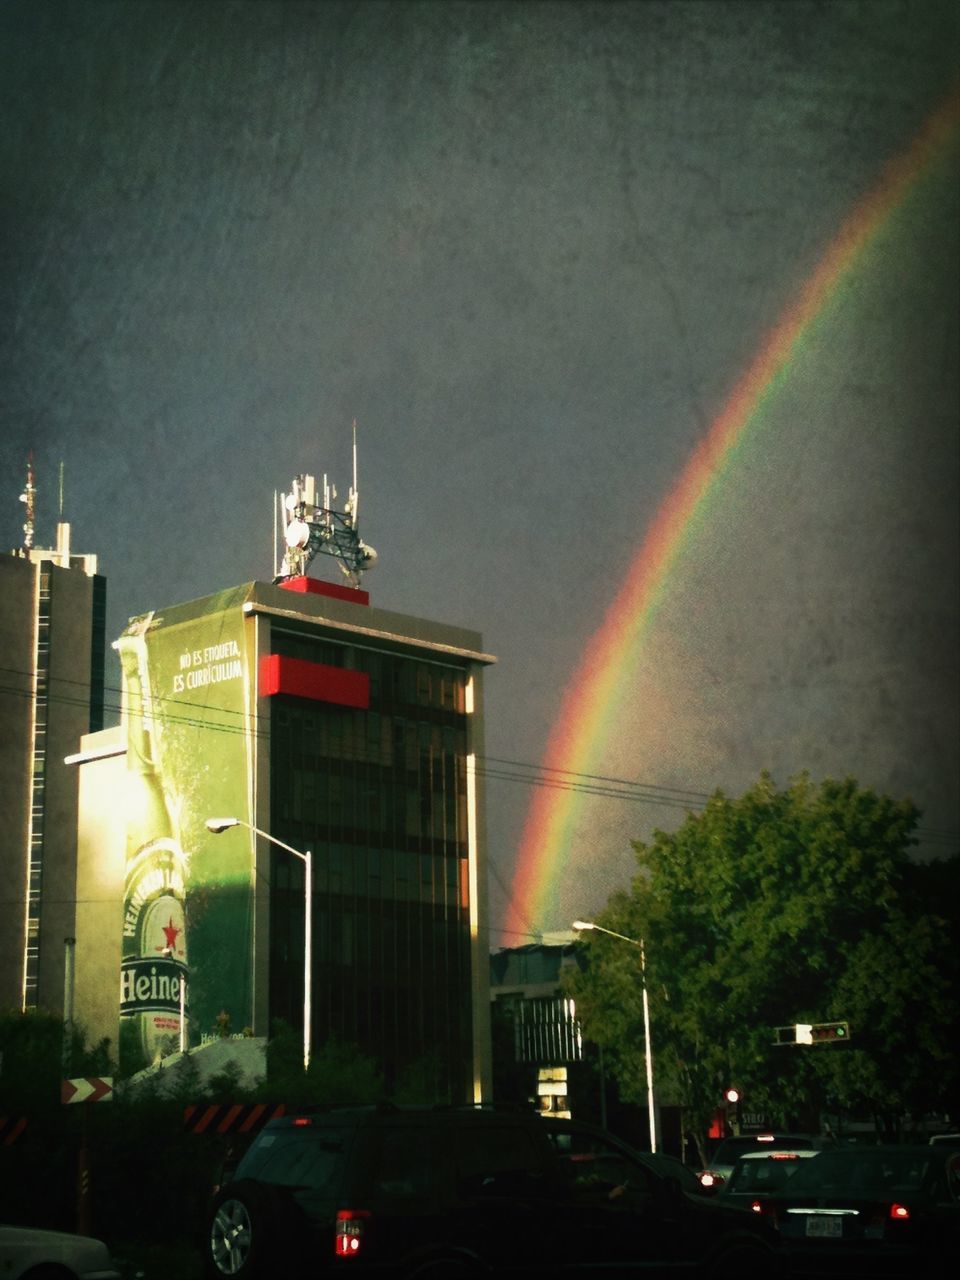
x: 216, y: 825
x: 648, y: 1052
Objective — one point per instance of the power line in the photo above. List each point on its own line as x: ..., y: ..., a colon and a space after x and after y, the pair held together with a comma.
x: 495, y: 768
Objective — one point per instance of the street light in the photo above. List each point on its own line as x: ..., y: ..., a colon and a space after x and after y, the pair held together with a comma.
x: 216, y: 825
x: 634, y: 942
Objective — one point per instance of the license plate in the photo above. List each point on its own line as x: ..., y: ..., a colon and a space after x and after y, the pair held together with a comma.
x: 824, y: 1225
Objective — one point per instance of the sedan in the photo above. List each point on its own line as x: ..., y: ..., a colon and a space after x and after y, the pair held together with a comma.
x: 28, y: 1252
x: 871, y: 1211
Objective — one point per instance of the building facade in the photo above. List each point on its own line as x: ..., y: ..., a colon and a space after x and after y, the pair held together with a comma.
x: 334, y: 728
x: 52, y: 619
x: 539, y: 1043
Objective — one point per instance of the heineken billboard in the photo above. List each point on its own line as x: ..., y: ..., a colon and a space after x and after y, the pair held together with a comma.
x: 188, y: 898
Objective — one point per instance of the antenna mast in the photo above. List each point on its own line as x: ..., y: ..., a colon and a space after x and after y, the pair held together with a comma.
x: 29, y: 498
x: 312, y: 528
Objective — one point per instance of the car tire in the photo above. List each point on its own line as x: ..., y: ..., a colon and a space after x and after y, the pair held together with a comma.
x: 243, y: 1233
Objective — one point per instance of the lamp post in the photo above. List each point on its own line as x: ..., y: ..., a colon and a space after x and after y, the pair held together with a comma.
x: 636, y: 942
x: 216, y: 825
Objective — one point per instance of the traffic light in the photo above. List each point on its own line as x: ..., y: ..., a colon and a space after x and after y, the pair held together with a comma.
x: 813, y: 1033
x: 829, y: 1032
x: 732, y: 1095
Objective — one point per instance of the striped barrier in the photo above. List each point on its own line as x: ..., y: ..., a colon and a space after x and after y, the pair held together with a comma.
x: 11, y: 1128
x: 227, y: 1118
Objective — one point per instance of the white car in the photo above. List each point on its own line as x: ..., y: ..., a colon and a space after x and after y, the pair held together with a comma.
x: 730, y: 1150
x: 71, y: 1257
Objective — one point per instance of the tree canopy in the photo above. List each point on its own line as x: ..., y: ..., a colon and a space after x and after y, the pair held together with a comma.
x: 776, y: 908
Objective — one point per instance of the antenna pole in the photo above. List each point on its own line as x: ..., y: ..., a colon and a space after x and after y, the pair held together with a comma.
x: 28, y: 498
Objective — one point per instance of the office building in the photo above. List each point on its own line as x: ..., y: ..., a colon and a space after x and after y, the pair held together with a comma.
x: 52, y: 609
x: 337, y: 729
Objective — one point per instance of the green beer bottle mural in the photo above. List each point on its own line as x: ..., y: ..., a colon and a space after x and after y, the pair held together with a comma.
x: 154, y: 949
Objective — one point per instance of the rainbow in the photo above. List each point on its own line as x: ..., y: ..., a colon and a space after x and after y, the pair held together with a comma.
x: 579, y: 730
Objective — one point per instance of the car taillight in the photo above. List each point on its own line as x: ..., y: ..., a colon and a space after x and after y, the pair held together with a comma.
x: 349, y: 1236
x: 899, y: 1213
x: 710, y: 1179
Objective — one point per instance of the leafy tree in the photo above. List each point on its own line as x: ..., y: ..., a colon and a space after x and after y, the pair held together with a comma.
x: 36, y: 1053
x: 776, y: 908
x: 339, y: 1072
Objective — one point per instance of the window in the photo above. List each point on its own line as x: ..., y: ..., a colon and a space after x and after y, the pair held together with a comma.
x: 590, y: 1163
x: 294, y: 1159
x: 496, y: 1160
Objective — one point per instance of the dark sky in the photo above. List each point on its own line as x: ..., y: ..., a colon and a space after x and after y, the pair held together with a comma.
x: 530, y: 248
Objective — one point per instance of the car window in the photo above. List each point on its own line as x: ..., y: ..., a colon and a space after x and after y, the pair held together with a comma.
x: 768, y: 1174
x: 730, y: 1149
x: 866, y: 1172
x: 496, y: 1160
x: 294, y: 1158
x: 404, y: 1164
x: 588, y: 1160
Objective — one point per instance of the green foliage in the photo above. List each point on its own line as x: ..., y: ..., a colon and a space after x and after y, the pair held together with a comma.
x: 779, y: 907
x: 37, y: 1054
x: 339, y: 1073
x: 423, y: 1083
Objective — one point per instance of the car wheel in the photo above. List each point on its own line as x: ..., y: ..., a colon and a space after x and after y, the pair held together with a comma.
x: 242, y: 1233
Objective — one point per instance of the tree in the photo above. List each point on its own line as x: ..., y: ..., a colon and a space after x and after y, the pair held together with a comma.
x: 339, y: 1073
x: 776, y: 908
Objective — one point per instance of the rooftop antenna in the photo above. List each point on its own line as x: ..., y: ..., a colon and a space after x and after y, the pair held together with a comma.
x: 29, y: 497
x: 311, y: 528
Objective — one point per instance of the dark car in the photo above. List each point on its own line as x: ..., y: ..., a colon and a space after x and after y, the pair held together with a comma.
x: 872, y: 1211
x: 459, y: 1194
x: 758, y: 1173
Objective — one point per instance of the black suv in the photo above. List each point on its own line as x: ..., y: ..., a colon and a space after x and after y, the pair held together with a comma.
x: 455, y: 1194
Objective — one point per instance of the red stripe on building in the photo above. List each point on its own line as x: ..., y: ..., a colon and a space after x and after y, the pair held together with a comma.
x: 335, y: 590
x: 313, y: 680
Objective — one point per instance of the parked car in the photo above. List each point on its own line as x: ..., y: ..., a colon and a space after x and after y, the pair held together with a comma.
x: 458, y: 1194
x: 726, y: 1154
x: 946, y: 1140
x: 872, y: 1211
x: 758, y: 1173
x: 30, y: 1252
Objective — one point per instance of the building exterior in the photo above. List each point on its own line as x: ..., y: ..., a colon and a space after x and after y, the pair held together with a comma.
x: 336, y: 729
x: 52, y: 618
x: 535, y: 1024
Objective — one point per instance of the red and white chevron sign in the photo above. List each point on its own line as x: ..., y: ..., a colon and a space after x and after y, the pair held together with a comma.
x: 87, y: 1089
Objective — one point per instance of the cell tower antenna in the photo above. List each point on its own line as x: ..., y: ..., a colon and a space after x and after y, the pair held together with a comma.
x: 310, y: 529
x: 28, y: 497
x: 61, y: 489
